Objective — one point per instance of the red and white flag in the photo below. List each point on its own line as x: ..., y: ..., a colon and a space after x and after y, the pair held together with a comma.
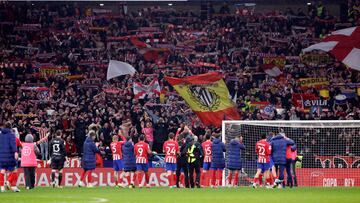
x: 272, y: 70
x: 139, y: 44
x: 343, y: 44
x: 141, y: 90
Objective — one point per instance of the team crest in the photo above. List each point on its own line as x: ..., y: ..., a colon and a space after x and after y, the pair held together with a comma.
x: 205, y: 98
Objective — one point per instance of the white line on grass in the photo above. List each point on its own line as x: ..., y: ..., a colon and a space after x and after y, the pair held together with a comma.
x: 99, y: 200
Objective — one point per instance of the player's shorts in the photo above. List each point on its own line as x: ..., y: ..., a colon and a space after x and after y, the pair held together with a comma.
x: 57, y: 164
x: 7, y: 166
x: 118, y: 165
x: 170, y: 166
x: 271, y: 162
x: 263, y: 166
x: 142, y: 167
x: 206, y: 166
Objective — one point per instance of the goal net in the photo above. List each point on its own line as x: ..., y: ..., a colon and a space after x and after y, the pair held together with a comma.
x: 328, y: 152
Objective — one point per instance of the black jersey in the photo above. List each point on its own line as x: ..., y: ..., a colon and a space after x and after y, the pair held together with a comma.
x: 57, y: 148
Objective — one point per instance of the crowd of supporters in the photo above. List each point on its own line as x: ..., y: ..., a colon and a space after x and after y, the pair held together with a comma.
x: 84, y: 39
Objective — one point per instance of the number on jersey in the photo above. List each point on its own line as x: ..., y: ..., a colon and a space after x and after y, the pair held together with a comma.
x: 140, y: 151
x: 56, y: 147
x: 170, y: 151
x: 261, y: 150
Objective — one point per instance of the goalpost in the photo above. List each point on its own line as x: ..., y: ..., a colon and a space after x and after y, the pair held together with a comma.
x: 328, y: 150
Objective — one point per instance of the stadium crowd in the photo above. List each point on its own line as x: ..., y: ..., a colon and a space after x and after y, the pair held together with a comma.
x: 83, y: 40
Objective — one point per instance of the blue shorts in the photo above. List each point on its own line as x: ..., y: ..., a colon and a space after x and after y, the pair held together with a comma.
x: 206, y: 166
x: 142, y: 167
x: 271, y: 162
x: 118, y: 165
x: 170, y: 166
x: 263, y: 166
x: 7, y: 166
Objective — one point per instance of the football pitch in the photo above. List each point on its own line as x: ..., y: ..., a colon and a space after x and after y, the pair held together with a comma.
x: 166, y: 195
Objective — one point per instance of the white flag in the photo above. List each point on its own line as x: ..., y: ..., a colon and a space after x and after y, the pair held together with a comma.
x: 343, y: 44
x: 118, y: 68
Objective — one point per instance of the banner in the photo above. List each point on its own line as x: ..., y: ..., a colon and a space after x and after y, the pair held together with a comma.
x: 337, y: 161
x: 141, y: 90
x: 204, y: 64
x: 75, y: 77
x: 279, y: 61
x: 315, y: 59
x: 208, y: 96
x: 313, y: 82
x: 53, y: 71
x: 315, y: 177
x: 308, y: 103
x: 112, y: 90
x: 30, y: 115
x: 307, y: 177
x: 298, y: 98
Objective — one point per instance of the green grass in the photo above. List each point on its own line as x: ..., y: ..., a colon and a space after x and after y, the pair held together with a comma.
x: 165, y: 195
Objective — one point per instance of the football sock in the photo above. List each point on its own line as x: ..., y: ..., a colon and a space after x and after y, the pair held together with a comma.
x: 182, y: 178
x: 268, y: 181
x: 121, y: 178
x: 2, y: 179
x: 60, y: 179
x: 202, y: 178
x: 219, y: 177
x: 213, y: 180
x: 230, y: 178
x: 83, y: 176
x: 10, y: 177
x: 170, y: 177
x: 147, y: 178
x: 260, y: 179
x: 255, y: 180
x: 53, y: 176
x: 14, y: 177
x: 89, y: 175
x: 138, y: 177
x: 128, y: 179
x: 236, y: 181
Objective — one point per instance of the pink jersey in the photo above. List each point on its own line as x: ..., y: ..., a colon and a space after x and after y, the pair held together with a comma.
x: 141, y: 152
x: 149, y: 134
x: 116, y: 150
x: 207, y: 150
x: 263, y: 150
x: 171, y: 149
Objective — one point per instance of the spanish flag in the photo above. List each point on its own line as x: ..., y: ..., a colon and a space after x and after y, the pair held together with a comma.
x: 208, y: 96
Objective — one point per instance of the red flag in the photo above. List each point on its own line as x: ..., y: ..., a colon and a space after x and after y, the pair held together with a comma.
x: 139, y: 44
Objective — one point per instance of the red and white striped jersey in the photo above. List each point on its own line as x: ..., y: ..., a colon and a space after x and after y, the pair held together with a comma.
x: 171, y: 149
x: 42, y: 132
x: 263, y: 150
x: 207, y: 150
x: 116, y: 150
x: 141, y: 152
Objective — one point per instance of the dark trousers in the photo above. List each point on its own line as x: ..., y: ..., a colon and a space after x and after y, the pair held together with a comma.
x: 195, y: 166
x: 29, y: 173
x: 289, y: 172
x: 182, y: 164
x: 293, y: 171
x: 281, y: 169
